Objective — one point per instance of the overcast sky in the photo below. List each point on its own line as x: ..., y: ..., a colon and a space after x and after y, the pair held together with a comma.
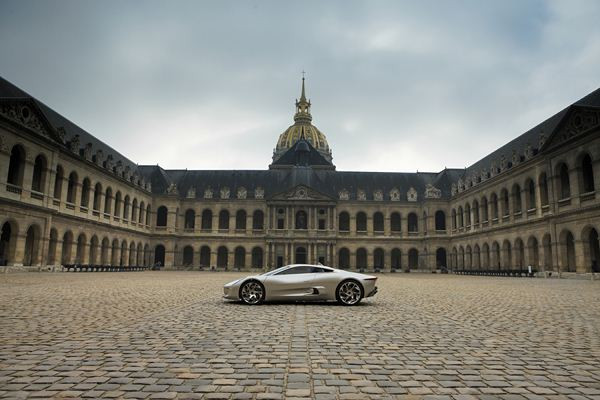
x: 395, y: 86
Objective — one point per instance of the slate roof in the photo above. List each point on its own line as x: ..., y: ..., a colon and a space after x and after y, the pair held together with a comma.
x: 532, y: 136
x: 10, y: 91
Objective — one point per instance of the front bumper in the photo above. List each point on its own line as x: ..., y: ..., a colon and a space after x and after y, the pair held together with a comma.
x: 231, y: 292
x: 373, y: 292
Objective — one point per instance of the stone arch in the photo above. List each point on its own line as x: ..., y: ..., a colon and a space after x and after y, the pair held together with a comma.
x: 80, y: 249
x: 494, y: 204
x: 94, y: 246
x: 533, y: 255
x: 460, y: 216
x: 454, y: 258
x: 563, y: 181
x: 475, y: 212
x: 159, y: 255
x: 396, y: 222
x: 258, y: 221
x: 140, y: 255
x: 141, y: 213
x: 147, y: 255
x: 16, y: 166
x: 454, y: 219
x: 257, y: 257
x: 413, y: 258
x: 530, y: 198
x: 461, y: 258
x: 543, y: 183
x: 190, y: 219
x: 52, y: 246
x: 239, y: 257
x: 440, y: 221
x: 148, y: 214
x: 38, y: 178
x: 496, y: 256
x: 567, y: 251
x: 591, y: 249
x: 108, y: 200
x: 162, y: 215
x: 134, y: 210
x: 344, y: 221
x: 222, y: 256
x: 519, y: 254
x: 205, y: 257
x: 586, y: 176
x: 476, y: 264
x: 188, y: 256
x: 240, y: 220
x: 378, y: 225
x: 344, y: 258
x: 86, y: 186
x: 104, y: 248
x: 506, y: 255
x: 126, y: 206
x: 485, y: 256
x: 440, y: 258
x: 32, y: 250
x: 118, y: 201
x: 72, y: 187
x: 484, y: 209
x: 413, y: 223
x: 505, y: 199
x: 8, y: 242
x: 396, y: 259
x: 132, y: 254
x: 58, y: 182
x: 224, y: 220
x: 361, y: 221
x: 379, y: 258
x: 124, y: 258
x: 516, y: 195
x: 468, y: 257
x: 97, y: 197
x: 467, y: 214
x: 361, y: 258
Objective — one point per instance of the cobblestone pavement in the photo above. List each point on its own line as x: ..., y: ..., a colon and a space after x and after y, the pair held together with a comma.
x: 166, y: 335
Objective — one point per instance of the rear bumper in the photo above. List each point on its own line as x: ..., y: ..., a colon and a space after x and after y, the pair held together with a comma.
x: 373, y: 292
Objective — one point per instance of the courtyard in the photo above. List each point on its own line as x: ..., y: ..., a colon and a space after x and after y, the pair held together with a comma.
x: 170, y: 335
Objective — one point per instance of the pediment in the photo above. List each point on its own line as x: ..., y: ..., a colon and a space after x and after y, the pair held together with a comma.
x: 25, y: 113
x: 578, y: 122
x: 301, y: 193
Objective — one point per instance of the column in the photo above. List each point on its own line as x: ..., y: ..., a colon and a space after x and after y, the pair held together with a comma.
x: 249, y: 224
x: 213, y: 258
x: 387, y: 225
x: 232, y: 221
x: 230, y: 259
x: 353, y: 224
x: 248, y: 258
x: 27, y: 172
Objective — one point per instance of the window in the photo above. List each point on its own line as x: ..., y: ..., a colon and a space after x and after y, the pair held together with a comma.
x: 303, y: 269
x: 378, y: 222
x: 395, y: 222
x: 565, y: 184
x: 413, y: 223
x: 301, y: 220
x: 440, y: 221
x: 361, y: 222
x: 587, y: 173
x: 344, y: 222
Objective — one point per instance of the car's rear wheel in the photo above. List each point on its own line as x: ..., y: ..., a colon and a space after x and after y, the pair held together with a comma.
x: 252, y: 292
x: 349, y: 293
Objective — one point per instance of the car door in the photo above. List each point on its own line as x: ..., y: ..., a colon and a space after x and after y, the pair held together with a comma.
x: 292, y: 283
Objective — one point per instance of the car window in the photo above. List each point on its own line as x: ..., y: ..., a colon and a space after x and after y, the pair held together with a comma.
x: 319, y: 269
x: 303, y: 269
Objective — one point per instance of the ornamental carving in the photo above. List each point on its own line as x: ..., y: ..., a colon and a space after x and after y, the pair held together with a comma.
x: 503, y: 163
x: 299, y: 194
x: 411, y: 195
x: 461, y: 185
x: 191, y: 193
x: 225, y: 192
x: 208, y: 193
x: 3, y: 145
x: 149, y: 186
x: 361, y: 195
x: 515, y: 158
x: 87, y: 152
x: 344, y: 194
x: 395, y: 194
x: 127, y: 173
x: 542, y: 140
x: 74, y: 144
x: 119, y: 168
x: 580, y: 122
x: 528, y: 151
x: 453, y: 189
x: 23, y: 115
x: 431, y: 192
x: 484, y: 175
x: 99, y: 157
x: 172, y: 189
x: 109, y: 162
x: 378, y: 195
x: 259, y: 193
x: 494, y: 169
x: 242, y: 193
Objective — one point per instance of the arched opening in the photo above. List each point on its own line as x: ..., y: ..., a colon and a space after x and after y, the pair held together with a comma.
x: 104, y: 259
x: 222, y: 256
x: 52, y: 243
x: 496, y: 263
x: 58, y: 182
x: 159, y: 255
x: 568, y: 251
x: 543, y: 182
x: 454, y: 259
x: 361, y: 258
x: 396, y: 222
x: 140, y: 255
x: 344, y: 258
x: 258, y: 221
x: 147, y: 255
x: 132, y: 255
x: 378, y: 222
x: 190, y: 219
x: 507, y: 255
x: 114, y: 259
x: 240, y: 220
x: 257, y: 257
x: 494, y: 202
x: 161, y: 216
x: 533, y: 253
x: 32, y: 243
x: 94, y: 244
x: 440, y: 221
x: 134, y: 211
x: 80, y: 250
x: 97, y: 196
x: 16, y: 166
x: 440, y: 258
x: 7, y: 243
x: 224, y: 220
x: 85, y: 193
x: 468, y: 215
x: 361, y: 222
x: 413, y: 258
x: 505, y: 202
x: 484, y: 209
x: 72, y: 187
x: 205, y: 257
x: 126, y: 205
x: 344, y: 222
x: 587, y: 174
x: 461, y: 258
x: 67, y: 248
x: 454, y: 219
x: 485, y: 256
x: 300, y: 255
x: 519, y: 254
x: 148, y: 214
x: 564, y: 183
x: 468, y: 257
x: 301, y: 220
x: 108, y: 201
x: 413, y: 223
x: 188, y: 256
x: 38, y: 178
x: 396, y: 259
x: 516, y: 194
x: 460, y: 216
x: 118, y: 200
x: 141, y: 213
x: 593, y: 250
x: 207, y: 220
x: 239, y: 258
x: 476, y: 263
x: 379, y: 258
x: 547, y: 246
x: 475, y: 212
x: 530, y: 197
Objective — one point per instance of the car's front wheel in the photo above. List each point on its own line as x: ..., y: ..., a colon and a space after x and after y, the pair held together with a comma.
x: 349, y: 293
x: 252, y: 292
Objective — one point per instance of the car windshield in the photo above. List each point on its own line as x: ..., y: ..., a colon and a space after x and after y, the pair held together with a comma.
x: 275, y: 271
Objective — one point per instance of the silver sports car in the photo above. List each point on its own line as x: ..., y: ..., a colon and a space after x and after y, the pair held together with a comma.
x: 303, y: 282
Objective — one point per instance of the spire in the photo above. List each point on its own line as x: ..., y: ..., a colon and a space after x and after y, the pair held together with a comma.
x: 303, y: 106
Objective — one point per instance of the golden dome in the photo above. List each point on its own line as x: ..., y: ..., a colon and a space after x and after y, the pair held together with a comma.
x: 302, y: 129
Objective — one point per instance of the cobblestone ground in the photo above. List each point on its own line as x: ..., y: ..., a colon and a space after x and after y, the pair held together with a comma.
x: 170, y: 335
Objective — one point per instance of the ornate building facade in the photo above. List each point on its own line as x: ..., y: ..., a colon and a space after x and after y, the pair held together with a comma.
x: 66, y: 197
